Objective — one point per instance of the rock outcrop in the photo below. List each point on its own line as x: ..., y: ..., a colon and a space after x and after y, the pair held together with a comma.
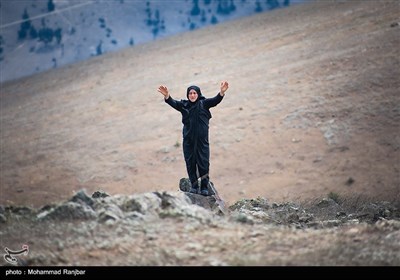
x: 180, y: 228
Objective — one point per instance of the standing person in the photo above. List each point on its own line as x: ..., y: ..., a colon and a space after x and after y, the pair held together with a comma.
x: 195, y: 118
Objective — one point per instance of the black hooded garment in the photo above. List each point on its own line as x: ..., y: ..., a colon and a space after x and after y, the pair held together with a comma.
x: 195, y: 119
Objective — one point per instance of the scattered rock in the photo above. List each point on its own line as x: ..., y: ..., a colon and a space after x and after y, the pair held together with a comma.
x: 99, y: 194
x: 349, y: 181
x: 150, y: 223
x: 69, y: 211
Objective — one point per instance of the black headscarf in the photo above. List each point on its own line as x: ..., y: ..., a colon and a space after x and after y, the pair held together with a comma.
x: 197, y: 89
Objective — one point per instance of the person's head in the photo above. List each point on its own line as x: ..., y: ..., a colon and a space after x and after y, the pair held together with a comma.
x: 193, y: 93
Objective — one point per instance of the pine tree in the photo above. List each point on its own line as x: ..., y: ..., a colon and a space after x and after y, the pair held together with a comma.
x: 25, y: 26
x: 50, y: 6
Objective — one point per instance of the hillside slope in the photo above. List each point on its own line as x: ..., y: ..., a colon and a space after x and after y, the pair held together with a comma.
x: 313, y: 108
x: 69, y: 31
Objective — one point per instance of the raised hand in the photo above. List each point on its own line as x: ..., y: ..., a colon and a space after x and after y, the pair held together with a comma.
x: 164, y: 91
x: 224, y: 87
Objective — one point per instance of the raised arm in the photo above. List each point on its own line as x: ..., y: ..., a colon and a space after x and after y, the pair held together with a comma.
x: 224, y: 87
x: 214, y: 101
x: 177, y: 105
x: 164, y: 91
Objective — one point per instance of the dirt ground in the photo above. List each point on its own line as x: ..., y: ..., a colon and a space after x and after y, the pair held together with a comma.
x: 312, y: 109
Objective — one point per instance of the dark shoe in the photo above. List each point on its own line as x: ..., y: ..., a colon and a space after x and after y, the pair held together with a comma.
x: 194, y: 190
x: 204, y: 192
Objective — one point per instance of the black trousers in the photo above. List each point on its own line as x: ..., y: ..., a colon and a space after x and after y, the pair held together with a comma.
x: 197, y: 158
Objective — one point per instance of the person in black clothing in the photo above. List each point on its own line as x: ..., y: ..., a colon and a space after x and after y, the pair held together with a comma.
x: 195, y: 118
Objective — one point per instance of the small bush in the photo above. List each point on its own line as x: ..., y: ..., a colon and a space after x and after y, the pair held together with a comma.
x: 334, y: 196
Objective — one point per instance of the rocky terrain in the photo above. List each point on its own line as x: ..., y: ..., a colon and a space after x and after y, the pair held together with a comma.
x: 168, y: 229
x: 305, y: 147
